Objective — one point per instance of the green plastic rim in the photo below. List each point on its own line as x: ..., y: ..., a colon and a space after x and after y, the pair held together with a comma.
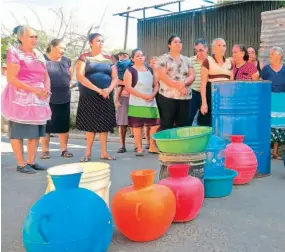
x: 207, y: 132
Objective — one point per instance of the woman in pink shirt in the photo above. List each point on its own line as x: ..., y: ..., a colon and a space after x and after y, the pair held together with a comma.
x: 25, y: 100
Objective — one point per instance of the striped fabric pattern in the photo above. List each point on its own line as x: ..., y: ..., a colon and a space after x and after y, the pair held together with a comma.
x: 196, y: 85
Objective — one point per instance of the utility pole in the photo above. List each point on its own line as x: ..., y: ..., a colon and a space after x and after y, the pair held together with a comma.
x: 126, y: 29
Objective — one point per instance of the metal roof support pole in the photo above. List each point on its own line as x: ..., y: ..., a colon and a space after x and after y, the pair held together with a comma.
x: 126, y: 31
x: 193, y: 29
x: 204, y: 22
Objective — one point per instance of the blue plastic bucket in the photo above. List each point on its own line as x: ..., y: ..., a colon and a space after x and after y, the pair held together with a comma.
x: 219, y: 186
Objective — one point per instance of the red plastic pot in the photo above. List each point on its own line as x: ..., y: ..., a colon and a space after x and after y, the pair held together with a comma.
x: 241, y: 158
x: 189, y: 192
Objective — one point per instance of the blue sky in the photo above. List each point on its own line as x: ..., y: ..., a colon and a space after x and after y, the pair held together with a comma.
x: 85, y: 13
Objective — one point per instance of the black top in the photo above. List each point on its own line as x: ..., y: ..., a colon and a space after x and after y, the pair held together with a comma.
x: 59, y: 79
x: 98, y: 70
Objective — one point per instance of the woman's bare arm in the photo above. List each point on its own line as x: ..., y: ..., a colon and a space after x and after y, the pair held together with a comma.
x: 47, y: 81
x: 161, y: 73
x: 115, y: 79
x: 191, y: 76
x: 204, y: 80
x: 80, y: 76
x: 155, y: 85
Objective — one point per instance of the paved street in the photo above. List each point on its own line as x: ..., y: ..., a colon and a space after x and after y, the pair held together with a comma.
x: 252, y: 219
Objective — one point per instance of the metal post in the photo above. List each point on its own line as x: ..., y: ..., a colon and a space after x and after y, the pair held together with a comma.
x: 126, y: 31
x: 204, y: 22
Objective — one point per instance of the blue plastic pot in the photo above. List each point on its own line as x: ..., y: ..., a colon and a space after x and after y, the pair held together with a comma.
x: 219, y: 186
x: 69, y: 219
x: 215, y: 157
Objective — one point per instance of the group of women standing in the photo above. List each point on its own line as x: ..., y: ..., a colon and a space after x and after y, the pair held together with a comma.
x: 37, y: 99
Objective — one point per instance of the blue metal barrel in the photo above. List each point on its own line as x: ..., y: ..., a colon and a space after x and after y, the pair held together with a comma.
x: 244, y: 108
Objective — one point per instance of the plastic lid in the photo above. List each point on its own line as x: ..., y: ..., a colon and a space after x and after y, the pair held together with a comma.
x: 215, y: 143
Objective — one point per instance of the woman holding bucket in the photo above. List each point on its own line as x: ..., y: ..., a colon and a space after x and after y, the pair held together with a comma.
x: 275, y: 72
x: 214, y: 68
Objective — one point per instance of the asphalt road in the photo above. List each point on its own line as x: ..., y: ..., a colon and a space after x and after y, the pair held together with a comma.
x: 251, y: 219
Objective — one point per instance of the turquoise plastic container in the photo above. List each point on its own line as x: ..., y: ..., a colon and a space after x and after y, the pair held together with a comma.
x: 219, y: 186
x: 68, y: 219
x: 183, y: 140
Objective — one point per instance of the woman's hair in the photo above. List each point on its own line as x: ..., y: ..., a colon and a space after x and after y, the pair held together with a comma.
x: 20, y: 31
x: 134, y: 52
x: 216, y: 40
x: 255, y: 51
x: 243, y: 48
x: 200, y: 41
x: 278, y: 50
x: 92, y: 36
x: 170, y: 39
x: 53, y: 43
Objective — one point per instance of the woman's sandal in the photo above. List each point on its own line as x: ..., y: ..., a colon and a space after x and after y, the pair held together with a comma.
x: 85, y: 159
x: 45, y: 155
x: 154, y: 152
x: 139, y: 154
x: 276, y: 157
x: 66, y: 154
x: 122, y: 150
x: 109, y: 158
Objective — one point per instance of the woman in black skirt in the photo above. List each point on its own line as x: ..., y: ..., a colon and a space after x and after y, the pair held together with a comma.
x: 96, y: 109
x: 59, y: 70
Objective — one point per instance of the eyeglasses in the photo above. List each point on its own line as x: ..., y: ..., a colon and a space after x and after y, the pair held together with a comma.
x: 200, y: 50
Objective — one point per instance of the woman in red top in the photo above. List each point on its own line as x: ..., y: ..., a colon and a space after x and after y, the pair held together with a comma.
x: 243, y: 69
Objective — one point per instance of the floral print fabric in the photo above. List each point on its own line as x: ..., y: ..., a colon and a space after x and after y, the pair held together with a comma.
x: 176, y: 71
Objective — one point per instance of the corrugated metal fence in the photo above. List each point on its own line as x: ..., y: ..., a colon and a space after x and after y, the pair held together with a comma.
x: 272, y: 32
x: 236, y: 23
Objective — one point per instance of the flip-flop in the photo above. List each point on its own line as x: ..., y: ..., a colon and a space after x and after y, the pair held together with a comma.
x: 66, y: 154
x: 139, y: 154
x: 109, y: 158
x: 153, y: 152
x: 45, y: 155
x: 85, y: 159
x: 276, y: 157
x: 147, y: 147
x: 122, y: 150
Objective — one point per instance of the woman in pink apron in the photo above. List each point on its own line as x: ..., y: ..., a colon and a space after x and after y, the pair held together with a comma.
x: 25, y: 100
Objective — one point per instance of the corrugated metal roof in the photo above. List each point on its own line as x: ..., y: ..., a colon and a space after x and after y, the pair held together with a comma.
x: 236, y: 23
x: 148, y: 7
x: 272, y: 31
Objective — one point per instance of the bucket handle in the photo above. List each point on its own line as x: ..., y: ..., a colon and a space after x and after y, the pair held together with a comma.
x: 138, y: 206
x: 42, y: 232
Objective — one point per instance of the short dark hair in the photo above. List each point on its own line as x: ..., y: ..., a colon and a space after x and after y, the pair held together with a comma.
x: 92, y: 36
x: 170, y: 39
x: 243, y: 48
x: 201, y: 41
x: 54, y: 42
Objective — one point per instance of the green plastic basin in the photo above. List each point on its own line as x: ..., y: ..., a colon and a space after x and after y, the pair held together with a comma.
x: 183, y: 140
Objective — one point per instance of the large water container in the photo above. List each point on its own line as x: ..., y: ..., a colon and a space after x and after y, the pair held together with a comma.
x: 244, y: 108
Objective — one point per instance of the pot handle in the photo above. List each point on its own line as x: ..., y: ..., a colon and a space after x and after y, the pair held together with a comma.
x: 138, y: 206
x: 42, y: 231
x: 177, y: 199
